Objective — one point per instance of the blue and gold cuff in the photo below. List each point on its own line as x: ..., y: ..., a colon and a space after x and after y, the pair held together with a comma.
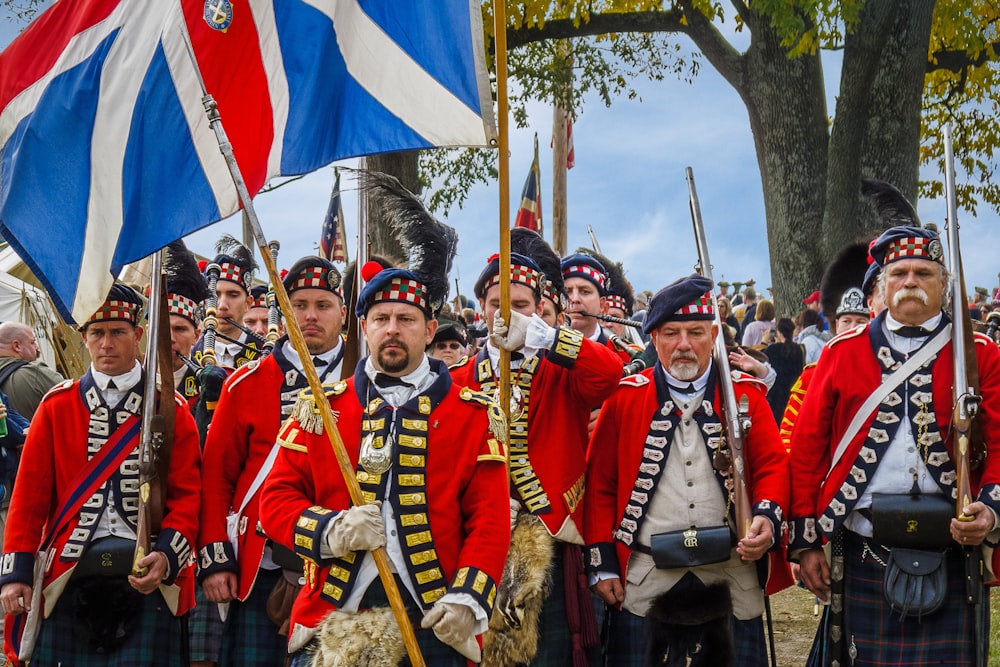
x: 802, y: 534
x: 216, y: 557
x: 478, y: 584
x: 17, y: 567
x: 309, y: 530
x: 566, y: 348
x: 176, y: 548
x: 600, y: 557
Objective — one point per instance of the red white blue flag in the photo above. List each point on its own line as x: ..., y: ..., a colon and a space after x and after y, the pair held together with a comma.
x: 106, y: 153
x: 530, y: 213
x: 331, y: 243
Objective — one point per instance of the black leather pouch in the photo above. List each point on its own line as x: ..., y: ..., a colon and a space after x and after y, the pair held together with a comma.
x: 912, y: 521
x: 915, y: 581
x: 107, y: 557
x: 691, y: 547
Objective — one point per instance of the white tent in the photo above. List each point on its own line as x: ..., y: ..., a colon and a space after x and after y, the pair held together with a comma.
x: 22, y: 299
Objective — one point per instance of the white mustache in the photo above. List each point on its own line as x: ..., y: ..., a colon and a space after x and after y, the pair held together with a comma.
x: 910, y: 293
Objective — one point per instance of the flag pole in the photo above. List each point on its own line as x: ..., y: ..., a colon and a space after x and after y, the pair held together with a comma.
x: 298, y: 341
x: 500, y: 39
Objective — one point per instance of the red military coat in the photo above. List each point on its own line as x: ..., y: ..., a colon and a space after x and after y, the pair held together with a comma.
x: 449, y: 494
x: 849, y: 370
x: 244, y: 430
x: 55, y: 451
x: 570, y: 380
x: 619, y: 456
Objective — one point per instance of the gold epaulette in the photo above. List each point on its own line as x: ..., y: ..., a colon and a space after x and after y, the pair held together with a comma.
x: 305, y: 411
x: 289, y: 433
x: 498, y: 420
x: 851, y: 333
x: 634, y: 381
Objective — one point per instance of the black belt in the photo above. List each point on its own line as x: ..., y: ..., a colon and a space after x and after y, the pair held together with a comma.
x: 642, y: 548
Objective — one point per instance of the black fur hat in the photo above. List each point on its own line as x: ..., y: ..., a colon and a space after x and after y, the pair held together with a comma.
x: 847, y: 270
x: 530, y: 243
x: 186, y: 286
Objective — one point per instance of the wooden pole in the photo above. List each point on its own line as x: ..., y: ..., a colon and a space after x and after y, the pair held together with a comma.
x: 500, y: 32
x: 298, y: 342
x: 559, y: 150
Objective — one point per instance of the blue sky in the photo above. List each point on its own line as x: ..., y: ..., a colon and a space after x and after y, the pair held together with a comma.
x: 628, y: 184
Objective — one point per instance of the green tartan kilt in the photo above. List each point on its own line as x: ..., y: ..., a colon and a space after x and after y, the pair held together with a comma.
x: 91, y: 609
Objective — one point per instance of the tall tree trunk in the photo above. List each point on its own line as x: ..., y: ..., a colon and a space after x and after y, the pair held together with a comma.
x: 786, y: 103
x: 402, y: 165
x: 877, y: 129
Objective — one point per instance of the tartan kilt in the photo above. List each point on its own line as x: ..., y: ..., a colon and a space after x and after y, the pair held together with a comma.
x: 555, y: 643
x: 249, y: 637
x: 945, y: 637
x: 204, y: 629
x: 626, y: 641
x: 153, y: 635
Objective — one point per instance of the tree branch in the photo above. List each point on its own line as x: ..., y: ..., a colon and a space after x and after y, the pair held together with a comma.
x: 957, y: 60
x: 599, y: 24
x: 726, y: 60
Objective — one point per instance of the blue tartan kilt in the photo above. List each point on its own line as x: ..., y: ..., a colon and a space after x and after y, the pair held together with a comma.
x: 152, y: 635
x: 204, y: 629
x: 250, y: 638
x: 881, y: 637
x: 626, y: 642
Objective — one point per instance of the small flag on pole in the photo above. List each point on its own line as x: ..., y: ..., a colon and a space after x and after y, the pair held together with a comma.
x: 332, y: 244
x: 530, y: 213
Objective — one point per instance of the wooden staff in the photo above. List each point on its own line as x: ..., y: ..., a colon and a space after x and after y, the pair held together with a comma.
x: 500, y: 36
x: 295, y: 336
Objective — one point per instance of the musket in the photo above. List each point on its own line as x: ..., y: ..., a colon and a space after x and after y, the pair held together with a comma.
x: 156, y: 434
x: 593, y: 240
x: 965, y: 389
x: 736, y: 418
x: 273, y: 312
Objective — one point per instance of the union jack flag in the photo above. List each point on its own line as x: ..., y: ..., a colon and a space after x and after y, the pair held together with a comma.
x: 106, y: 153
x: 331, y: 243
x: 530, y: 213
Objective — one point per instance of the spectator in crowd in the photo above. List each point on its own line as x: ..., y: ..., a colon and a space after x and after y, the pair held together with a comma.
x: 753, y: 333
x: 811, y: 335
x: 23, y: 377
x: 787, y: 359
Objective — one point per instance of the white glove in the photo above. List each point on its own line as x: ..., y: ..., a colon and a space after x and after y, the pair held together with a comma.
x: 454, y: 624
x: 358, y: 529
x: 510, y: 337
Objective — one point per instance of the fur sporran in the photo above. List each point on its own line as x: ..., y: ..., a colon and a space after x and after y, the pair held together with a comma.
x: 365, y: 639
x: 512, y: 637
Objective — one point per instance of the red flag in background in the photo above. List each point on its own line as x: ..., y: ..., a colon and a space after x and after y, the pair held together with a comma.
x: 331, y: 243
x: 570, y: 155
x: 530, y: 213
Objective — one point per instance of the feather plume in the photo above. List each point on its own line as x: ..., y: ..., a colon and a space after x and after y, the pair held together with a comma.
x: 891, y: 206
x: 183, y: 275
x: 530, y: 243
x: 239, y: 253
x: 430, y: 245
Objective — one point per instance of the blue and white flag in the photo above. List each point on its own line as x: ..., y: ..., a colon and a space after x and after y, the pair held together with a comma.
x: 106, y: 153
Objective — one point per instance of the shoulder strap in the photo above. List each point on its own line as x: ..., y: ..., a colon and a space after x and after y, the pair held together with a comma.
x: 9, y: 369
x: 95, y: 473
x: 888, y: 385
x: 265, y: 468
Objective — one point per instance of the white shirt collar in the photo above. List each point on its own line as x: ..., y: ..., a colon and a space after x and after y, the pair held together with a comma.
x: 123, y: 382
x: 420, y: 379
x: 699, y: 383
x: 293, y: 356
